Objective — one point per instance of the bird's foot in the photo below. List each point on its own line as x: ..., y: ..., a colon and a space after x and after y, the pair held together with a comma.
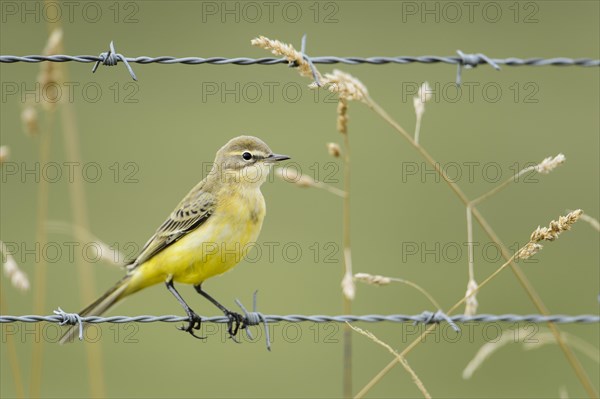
x: 194, y: 323
x: 235, y: 320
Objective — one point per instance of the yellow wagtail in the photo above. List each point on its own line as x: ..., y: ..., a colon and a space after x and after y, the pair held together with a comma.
x: 224, y: 213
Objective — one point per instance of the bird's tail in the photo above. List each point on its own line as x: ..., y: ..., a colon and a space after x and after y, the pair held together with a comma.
x: 99, y: 306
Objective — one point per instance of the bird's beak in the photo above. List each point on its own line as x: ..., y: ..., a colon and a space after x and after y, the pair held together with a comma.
x: 276, y: 158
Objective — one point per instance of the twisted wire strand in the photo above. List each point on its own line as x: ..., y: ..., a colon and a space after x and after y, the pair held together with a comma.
x: 111, y: 58
x: 425, y: 317
x: 255, y: 318
x: 426, y: 59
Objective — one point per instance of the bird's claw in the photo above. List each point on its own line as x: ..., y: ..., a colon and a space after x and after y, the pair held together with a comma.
x: 194, y: 323
x: 234, y: 319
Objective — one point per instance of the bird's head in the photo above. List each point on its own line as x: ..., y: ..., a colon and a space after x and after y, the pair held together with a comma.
x: 245, y: 159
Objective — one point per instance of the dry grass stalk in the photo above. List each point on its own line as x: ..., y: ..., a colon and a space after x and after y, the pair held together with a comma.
x: 295, y: 177
x: 18, y: 278
x: 103, y: 250
x: 593, y: 222
x: 342, y: 116
x: 348, y: 286
x: 383, y: 280
x: 334, y: 150
x: 9, y: 341
x: 545, y: 167
x: 546, y: 338
x: 50, y: 72
x: 550, y: 233
x: 549, y: 164
x: 79, y: 212
x: 54, y: 45
x: 555, y: 228
x: 573, y: 361
x: 399, y: 357
x: 471, y: 303
x: 568, y: 220
x: 30, y: 120
x: 486, y: 351
x: 50, y: 75
x: 372, y: 279
x: 529, y: 342
x: 423, y: 95
x: 4, y: 153
x: 285, y: 50
x: 528, y: 250
x: 344, y: 85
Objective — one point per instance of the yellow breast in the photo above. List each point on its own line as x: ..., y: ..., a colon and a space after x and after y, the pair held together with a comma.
x: 214, y: 247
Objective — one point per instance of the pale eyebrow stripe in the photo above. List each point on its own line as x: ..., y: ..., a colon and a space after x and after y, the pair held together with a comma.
x: 256, y: 155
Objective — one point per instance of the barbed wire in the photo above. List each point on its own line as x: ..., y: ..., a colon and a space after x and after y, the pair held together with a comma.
x: 111, y: 58
x: 425, y: 318
x: 255, y: 318
x: 426, y: 59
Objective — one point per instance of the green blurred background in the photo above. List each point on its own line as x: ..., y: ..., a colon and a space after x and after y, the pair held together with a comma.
x: 175, y: 126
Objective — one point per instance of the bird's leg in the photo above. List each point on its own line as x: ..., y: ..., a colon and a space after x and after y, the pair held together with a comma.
x: 194, y: 320
x: 233, y: 317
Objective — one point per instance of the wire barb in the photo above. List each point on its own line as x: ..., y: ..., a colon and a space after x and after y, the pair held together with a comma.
x: 70, y: 319
x: 469, y: 61
x: 309, y: 61
x: 437, y: 318
x: 254, y: 318
x: 111, y: 58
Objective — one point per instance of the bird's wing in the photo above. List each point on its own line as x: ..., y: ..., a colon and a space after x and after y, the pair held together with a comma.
x: 192, y: 211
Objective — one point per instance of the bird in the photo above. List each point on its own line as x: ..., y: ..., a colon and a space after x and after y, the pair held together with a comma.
x: 204, y: 236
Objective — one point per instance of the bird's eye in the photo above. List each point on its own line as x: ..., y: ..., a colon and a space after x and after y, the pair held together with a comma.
x: 247, y: 156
